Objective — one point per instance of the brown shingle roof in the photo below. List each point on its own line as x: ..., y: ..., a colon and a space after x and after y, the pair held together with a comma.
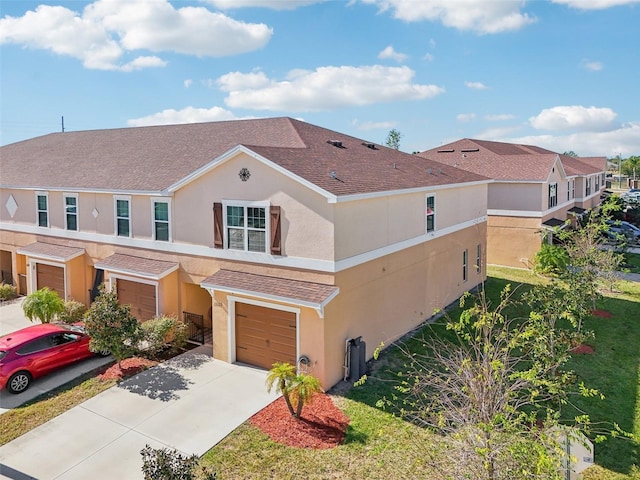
x: 508, y: 161
x: 51, y: 251
x: 154, y: 158
x: 311, y: 294
x: 143, y: 267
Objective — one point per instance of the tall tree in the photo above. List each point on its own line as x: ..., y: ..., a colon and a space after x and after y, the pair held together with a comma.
x: 393, y: 139
x: 571, y: 153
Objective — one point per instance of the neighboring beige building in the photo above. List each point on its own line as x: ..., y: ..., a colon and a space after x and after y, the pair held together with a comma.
x: 272, y: 238
x: 533, y: 191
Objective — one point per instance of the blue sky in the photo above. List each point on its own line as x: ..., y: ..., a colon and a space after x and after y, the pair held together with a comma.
x: 561, y: 74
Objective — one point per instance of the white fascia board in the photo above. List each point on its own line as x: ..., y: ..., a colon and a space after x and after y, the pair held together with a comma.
x: 55, y: 258
x: 390, y: 193
x: 134, y: 273
x: 154, y: 193
x: 238, y: 149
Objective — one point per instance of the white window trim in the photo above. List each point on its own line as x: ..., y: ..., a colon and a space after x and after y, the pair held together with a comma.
x: 153, y: 217
x: 465, y: 265
x: 115, y: 215
x: 552, y: 200
x: 246, y: 204
x: 426, y: 203
x: 46, y: 195
x: 77, y: 214
x: 479, y: 258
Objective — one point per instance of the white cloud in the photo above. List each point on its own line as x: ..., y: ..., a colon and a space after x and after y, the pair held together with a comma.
x: 390, y: 53
x: 476, y: 85
x: 577, y: 117
x: 324, y: 88
x: 595, y: 4
x: 465, y: 117
x: 366, y: 126
x: 428, y: 57
x: 592, y: 65
x: 478, y: 16
x: 273, y: 4
x: 186, y: 115
x: 187, y: 83
x: 501, y: 117
x: 624, y: 140
x: 107, y: 30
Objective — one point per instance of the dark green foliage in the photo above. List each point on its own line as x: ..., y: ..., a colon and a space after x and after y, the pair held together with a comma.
x: 112, y: 327
x: 551, y: 260
x: 167, y: 464
x: 393, y: 139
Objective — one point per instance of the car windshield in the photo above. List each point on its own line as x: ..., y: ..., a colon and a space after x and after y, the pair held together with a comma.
x: 74, y: 328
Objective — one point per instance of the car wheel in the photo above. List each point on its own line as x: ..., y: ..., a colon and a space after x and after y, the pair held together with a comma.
x: 103, y: 353
x: 19, y: 382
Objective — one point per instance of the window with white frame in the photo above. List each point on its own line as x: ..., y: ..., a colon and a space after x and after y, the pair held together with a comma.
x: 573, y: 188
x: 246, y: 227
x: 42, y: 209
x: 479, y: 258
x: 161, y: 231
x: 70, y: 211
x: 465, y: 265
x: 430, y: 212
x: 568, y: 189
x: 597, y: 185
x: 123, y: 216
x: 588, y: 186
x: 553, y: 195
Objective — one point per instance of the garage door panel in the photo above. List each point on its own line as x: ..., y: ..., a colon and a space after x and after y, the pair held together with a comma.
x: 141, y: 297
x: 50, y: 276
x: 264, y: 335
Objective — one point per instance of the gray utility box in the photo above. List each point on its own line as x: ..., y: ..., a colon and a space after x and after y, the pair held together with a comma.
x: 357, y: 359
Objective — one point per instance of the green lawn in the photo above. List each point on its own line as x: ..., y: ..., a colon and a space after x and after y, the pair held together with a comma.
x: 380, y: 446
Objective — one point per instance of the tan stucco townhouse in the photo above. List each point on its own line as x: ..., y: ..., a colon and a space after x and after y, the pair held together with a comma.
x: 273, y: 238
x: 534, y: 190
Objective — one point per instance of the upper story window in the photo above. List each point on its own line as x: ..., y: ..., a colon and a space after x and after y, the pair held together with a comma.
x: 246, y: 228
x: 573, y: 188
x: 71, y: 211
x: 479, y: 258
x: 42, y: 207
x: 430, y: 212
x: 161, y: 230
x: 597, y: 185
x: 553, y: 195
x: 568, y: 189
x: 588, y: 186
x: 123, y: 216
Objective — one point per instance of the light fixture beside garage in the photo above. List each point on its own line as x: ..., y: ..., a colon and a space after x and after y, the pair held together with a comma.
x: 244, y: 174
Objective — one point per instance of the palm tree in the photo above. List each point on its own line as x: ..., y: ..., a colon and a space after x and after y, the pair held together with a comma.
x: 43, y: 304
x: 292, y: 385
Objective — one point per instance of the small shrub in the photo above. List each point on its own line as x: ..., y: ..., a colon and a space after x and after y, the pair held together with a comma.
x: 551, y: 260
x: 7, y: 292
x: 73, y: 312
x: 44, y: 305
x: 296, y: 388
x: 167, y: 464
x: 164, y: 332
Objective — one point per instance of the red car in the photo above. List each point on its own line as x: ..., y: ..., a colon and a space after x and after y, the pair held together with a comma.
x: 38, y: 350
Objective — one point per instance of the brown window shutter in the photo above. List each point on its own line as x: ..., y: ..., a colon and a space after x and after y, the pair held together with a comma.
x: 217, y: 226
x: 276, y: 236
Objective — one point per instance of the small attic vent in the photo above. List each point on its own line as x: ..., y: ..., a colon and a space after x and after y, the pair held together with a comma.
x: 447, y: 150
x: 372, y: 146
x: 467, y: 150
x: 335, y: 143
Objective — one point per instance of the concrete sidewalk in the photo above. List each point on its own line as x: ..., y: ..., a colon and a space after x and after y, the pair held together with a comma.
x: 189, y: 403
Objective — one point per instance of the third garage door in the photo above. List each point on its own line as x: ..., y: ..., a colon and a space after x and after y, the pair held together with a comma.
x: 264, y: 336
x: 141, y: 297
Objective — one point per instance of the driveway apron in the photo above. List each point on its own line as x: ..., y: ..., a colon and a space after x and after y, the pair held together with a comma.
x: 188, y: 403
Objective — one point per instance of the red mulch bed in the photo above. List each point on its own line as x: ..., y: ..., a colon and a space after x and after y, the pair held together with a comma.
x: 322, y: 426
x: 602, y: 313
x: 128, y: 367
x: 583, y: 349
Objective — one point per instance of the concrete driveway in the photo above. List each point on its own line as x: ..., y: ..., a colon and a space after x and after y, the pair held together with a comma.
x: 189, y: 403
x: 11, y: 319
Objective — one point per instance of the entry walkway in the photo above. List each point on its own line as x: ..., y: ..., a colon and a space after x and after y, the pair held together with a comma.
x: 189, y: 403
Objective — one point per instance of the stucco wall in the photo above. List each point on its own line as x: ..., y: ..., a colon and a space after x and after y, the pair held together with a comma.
x: 513, y: 241
x: 515, y: 196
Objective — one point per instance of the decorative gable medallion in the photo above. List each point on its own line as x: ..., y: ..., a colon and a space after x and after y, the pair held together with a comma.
x: 244, y: 174
x: 11, y: 206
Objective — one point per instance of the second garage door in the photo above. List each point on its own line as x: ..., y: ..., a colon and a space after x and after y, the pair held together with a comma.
x: 52, y: 277
x: 141, y: 297
x: 264, y: 336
